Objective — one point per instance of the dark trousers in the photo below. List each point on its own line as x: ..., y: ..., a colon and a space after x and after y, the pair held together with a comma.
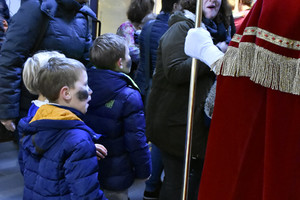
x: 6, y: 135
x: 174, y: 175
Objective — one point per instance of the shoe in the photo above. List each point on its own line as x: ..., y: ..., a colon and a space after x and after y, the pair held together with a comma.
x: 151, y: 195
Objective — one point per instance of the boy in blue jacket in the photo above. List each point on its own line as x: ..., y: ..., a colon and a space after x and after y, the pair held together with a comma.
x: 58, y: 151
x: 116, y: 111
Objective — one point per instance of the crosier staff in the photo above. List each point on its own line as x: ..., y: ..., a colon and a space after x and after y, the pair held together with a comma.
x: 191, y: 106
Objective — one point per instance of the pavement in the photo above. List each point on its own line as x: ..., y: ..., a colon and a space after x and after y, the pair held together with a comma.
x: 11, y: 180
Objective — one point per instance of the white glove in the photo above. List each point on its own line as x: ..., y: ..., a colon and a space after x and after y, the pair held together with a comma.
x: 199, y: 44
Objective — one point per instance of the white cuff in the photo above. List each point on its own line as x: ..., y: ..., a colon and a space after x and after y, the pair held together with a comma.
x: 211, y: 55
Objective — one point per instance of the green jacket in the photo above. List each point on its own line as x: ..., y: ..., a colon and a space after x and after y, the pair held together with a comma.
x: 167, y: 109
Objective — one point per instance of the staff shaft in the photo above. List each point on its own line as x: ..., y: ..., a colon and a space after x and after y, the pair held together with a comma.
x: 188, y: 145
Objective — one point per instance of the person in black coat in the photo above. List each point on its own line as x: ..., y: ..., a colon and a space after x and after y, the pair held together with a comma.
x: 149, y: 41
x: 167, y: 106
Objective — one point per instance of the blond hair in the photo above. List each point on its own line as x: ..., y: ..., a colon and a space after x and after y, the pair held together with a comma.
x: 33, y: 65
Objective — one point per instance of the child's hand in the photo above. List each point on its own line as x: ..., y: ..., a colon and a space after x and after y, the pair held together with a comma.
x: 101, y: 151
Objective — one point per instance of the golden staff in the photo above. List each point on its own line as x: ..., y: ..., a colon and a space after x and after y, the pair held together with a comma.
x: 190, y: 116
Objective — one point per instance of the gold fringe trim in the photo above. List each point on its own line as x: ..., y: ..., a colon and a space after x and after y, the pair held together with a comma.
x: 264, y: 67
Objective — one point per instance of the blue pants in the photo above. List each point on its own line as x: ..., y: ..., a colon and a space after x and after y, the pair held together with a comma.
x: 157, y: 167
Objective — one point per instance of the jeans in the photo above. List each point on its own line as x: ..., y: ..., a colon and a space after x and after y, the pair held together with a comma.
x: 157, y: 167
x: 174, y: 175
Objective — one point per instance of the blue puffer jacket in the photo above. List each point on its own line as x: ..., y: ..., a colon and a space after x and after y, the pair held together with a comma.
x: 116, y: 111
x: 159, y: 27
x: 59, y: 156
x: 21, y: 126
x: 67, y: 32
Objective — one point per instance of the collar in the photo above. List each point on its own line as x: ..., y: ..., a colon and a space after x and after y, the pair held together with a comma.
x: 55, y: 112
x: 131, y: 82
x: 188, y: 14
x: 39, y: 103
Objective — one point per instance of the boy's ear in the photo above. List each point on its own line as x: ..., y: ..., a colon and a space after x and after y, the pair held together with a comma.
x: 119, y: 63
x: 65, y: 93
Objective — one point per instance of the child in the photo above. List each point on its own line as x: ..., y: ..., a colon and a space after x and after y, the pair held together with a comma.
x: 57, y: 147
x: 116, y: 111
x: 29, y: 75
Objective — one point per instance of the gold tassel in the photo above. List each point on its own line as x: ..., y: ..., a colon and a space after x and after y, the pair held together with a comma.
x: 261, y: 66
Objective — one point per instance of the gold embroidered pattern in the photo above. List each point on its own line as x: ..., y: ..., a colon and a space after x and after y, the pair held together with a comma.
x: 261, y: 66
x: 236, y: 38
x: 272, y: 38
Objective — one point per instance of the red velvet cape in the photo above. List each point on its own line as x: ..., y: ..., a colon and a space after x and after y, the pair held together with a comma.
x: 253, y: 150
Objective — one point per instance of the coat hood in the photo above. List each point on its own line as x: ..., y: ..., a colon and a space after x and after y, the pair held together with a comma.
x: 70, y: 4
x: 49, y: 7
x: 48, y: 125
x: 106, y: 84
x: 177, y: 17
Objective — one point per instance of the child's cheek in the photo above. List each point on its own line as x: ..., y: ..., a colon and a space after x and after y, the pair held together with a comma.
x: 83, y: 95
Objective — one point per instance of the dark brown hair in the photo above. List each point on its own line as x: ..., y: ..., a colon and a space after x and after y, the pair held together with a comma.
x: 224, y: 14
x: 167, y: 5
x: 138, y: 9
x: 189, y: 5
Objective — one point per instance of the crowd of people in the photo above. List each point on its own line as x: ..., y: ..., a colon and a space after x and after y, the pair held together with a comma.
x: 92, y: 116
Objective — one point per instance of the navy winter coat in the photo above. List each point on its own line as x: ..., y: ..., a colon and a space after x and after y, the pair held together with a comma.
x: 159, y: 27
x: 58, y: 156
x: 4, y: 15
x: 4, y: 11
x: 116, y: 111
x: 67, y: 32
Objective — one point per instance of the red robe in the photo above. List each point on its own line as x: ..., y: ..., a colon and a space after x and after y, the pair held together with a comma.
x: 253, y: 150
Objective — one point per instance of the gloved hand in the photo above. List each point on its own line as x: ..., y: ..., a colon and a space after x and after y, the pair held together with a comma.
x: 199, y: 44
